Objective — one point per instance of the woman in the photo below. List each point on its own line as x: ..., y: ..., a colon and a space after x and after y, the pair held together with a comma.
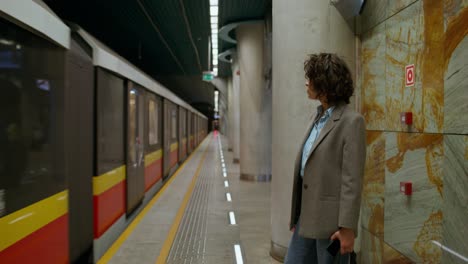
x: 329, y: 167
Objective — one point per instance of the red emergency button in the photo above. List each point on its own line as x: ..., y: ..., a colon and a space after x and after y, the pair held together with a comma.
x: 406, y: 118
x: 406, y: 188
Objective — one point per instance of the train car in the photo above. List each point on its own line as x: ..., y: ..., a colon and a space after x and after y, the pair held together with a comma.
x: 84, y: 136
x: 34, y: 197
x: 132, y: 163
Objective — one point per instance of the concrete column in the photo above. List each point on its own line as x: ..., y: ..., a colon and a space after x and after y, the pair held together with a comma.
x: 255, y: 105
x: 299, y: 29
x: 222, y: 85
x: 230, y: 114
x: 235, y: 109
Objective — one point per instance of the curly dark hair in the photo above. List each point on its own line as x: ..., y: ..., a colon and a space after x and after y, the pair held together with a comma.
x: 330, y: 77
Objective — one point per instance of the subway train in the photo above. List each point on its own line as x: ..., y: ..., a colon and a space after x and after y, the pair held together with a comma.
x: 86, y: 139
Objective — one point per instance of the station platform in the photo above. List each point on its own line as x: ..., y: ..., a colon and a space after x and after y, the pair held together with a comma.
x: 200, y: 215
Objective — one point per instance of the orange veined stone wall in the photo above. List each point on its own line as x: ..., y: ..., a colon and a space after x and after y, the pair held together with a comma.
x: 433, y: 152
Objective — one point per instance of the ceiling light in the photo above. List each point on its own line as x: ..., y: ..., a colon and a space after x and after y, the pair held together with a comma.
x: 215, y: 62
x: 214, y: 19
x: 215, y: 45
x: 213, y: 10
x: 214, y: 26
x: 213, y: 2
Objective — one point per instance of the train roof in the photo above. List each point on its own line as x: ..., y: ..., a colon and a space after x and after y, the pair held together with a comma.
x: 34, y: 14
x: 106, y: 58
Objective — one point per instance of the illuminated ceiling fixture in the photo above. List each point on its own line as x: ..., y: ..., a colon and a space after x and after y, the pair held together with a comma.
x: 214, y: 20
x: 214, y: 10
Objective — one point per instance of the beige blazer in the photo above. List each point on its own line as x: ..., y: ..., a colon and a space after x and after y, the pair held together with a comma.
x: 329, y: 195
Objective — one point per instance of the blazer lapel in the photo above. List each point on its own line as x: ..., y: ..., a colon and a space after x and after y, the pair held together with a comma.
x: 328, y: 126
x: 297, y: 163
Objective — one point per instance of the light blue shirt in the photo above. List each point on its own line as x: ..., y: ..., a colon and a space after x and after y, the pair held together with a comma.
x: 314, y: 133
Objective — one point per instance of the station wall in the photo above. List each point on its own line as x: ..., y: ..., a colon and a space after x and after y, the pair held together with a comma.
x: 432, y: 153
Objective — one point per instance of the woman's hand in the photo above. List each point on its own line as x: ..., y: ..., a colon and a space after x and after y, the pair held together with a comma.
x: 346, y: 237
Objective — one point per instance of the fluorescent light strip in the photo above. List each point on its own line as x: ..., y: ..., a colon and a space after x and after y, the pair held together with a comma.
x: 451, y: 251
x: 238, y: 252
x: 214, y: 11
x: 226, y: 184
x: 228, y: 197
x: 213, y: 2
x: 224, y: 174
x: 224, y: 166
x: 232, y: 218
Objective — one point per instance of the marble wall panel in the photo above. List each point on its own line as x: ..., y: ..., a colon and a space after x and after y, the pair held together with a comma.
x: 455, y: 205
x: 372, y: 205
x: 391, y: 256
x: 432, y: 72
x: 405, y: 45
x: 412, y: 222
x: 371, y: 248
x: 395, y: 6
x: 374, y: 13
x: 373, y: 77
x: 452, y: 10
x: 456, y: 91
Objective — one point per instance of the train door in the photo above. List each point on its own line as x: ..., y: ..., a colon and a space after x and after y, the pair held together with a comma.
x: 79, y: 144
x: 189, y: 132
x: 135, y: 146
x: 194, y: 127
x: 174, y: 147
x: 182, y: 138
x: 166, y: 138
x: 153, y: 142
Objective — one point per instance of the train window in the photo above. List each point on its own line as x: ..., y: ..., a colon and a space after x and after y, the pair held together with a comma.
x: 174, y: 124
x: 153, y: 123
x: 110, y: 122
x: 31, y: 114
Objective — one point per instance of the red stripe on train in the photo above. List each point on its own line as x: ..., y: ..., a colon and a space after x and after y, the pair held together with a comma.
x: 49, y: 244
x: 153, y: 173
x: 109, y: 206
x: 174, y: 158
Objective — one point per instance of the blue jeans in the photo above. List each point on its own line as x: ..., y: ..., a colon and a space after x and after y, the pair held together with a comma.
x: 311, y: 251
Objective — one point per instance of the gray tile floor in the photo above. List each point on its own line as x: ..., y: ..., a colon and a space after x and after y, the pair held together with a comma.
x: 205, y: 235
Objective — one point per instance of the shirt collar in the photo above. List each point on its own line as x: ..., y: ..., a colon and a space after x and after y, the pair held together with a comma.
x: 327, y: 113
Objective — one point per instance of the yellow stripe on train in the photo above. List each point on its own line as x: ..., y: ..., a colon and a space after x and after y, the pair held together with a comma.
x: 152, y: 157
x: 108, y: 180
x: 24, y: 222
x: 174, y: 146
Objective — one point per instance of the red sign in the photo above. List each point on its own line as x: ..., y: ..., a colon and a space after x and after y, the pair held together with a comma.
x: 409, y: 75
